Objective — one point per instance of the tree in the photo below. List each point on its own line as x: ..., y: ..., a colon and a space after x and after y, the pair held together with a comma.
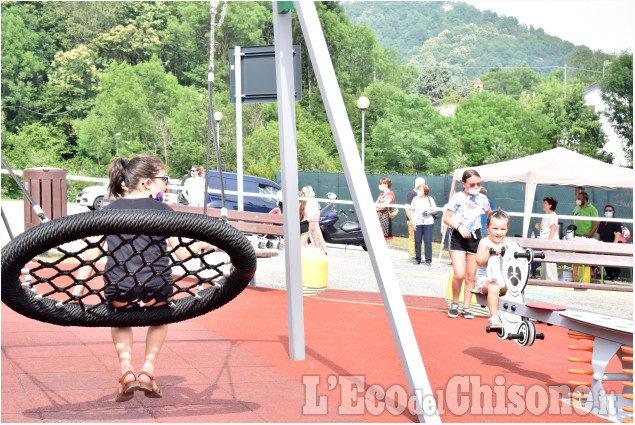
x: 262, y: 153
x: 128, y: 43
x: 73, y: 80
x: 411, y: 137
x: 133, y: 101
x: 35, y: 145
x: 511, y: 82
x: 73, y: 23
x: 185, y: 49
x: 571, y: 124
x: 484, y: 117
x: 380, y: 95
x: 587, y: 65
x: 437, y: 82
x: 23, y: 68
x: 617, y: 92
x: 503, y: 151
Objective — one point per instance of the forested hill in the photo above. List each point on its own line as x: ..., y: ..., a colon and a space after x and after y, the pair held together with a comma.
x: 84, y: 82
x: 422, y: 32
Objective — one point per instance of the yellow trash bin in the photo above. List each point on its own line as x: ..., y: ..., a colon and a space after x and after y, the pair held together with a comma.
x: 315, y: 270
x: 577, y: 274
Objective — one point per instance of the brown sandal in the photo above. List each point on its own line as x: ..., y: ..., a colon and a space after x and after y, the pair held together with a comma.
x: 148, y: 388
x: 126, y: 392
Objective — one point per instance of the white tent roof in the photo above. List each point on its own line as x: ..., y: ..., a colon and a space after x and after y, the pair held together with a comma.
x: 557, y: 166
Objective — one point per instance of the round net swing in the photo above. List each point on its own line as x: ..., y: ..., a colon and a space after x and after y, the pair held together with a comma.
x: 42, y: 289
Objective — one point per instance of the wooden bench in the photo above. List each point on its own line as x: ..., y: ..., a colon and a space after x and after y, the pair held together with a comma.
x: 580, y: 252
x: 247, y: 222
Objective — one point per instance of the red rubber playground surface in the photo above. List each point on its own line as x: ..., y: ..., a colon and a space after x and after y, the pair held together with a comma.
x: 232, y: 365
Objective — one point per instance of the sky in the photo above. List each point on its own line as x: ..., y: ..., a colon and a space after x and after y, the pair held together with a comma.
x: 606, y: 25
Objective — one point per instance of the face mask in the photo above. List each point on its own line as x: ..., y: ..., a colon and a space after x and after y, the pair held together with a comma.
x: 158, y: 197
x: 420, y: 192
x: 473, y: 191
x: 608, y: 214
x: 578, y: 202
x: 381, y: 187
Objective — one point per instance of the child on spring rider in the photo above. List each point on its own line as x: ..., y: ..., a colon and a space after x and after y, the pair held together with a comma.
x: 489, y: 276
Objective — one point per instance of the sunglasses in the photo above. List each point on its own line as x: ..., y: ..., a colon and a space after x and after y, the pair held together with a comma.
x: 165, y: 179
x: 473, y: 185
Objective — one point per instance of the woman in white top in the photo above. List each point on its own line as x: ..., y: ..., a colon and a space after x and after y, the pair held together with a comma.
x: 422, y: 223
x: 313, y: 217
x: 549, y: 230
x: 194, y: 187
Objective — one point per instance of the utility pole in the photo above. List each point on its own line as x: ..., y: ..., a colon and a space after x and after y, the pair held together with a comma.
x: 565, y: 80
x: 604, y: 65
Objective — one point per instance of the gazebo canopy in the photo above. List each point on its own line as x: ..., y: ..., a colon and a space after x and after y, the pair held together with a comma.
x: 557, y: 166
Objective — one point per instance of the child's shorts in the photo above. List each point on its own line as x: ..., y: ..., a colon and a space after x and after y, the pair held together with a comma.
x: 482, y: 281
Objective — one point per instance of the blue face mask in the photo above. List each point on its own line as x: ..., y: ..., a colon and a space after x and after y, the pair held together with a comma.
x: 608, y: 214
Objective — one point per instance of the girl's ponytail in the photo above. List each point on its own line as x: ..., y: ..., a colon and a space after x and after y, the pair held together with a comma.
x: 117, y: 177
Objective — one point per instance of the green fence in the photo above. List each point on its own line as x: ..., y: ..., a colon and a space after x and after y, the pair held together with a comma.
x: 508, y: 196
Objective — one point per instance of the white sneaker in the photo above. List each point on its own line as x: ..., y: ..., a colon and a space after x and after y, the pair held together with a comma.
x: 494, y: 322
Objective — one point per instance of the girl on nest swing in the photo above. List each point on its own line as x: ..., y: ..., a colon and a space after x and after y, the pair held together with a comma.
x: 137, y: 184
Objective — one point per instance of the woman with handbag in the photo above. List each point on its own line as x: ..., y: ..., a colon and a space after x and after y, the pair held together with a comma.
x: 424, y: 212
x: 386, y: 197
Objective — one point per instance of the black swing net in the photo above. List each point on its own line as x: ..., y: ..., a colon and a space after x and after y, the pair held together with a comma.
x: 40, y: 287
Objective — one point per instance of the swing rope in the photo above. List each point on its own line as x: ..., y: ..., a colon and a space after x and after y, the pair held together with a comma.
x: 211, y: 129
x: 6, y: 223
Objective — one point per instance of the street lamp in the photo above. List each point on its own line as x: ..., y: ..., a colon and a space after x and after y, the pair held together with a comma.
x: 363, y: 103
x: 117, y: 143
x: 218, y: 116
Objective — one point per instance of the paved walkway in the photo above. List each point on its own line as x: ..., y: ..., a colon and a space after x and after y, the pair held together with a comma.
x: 56, y: 374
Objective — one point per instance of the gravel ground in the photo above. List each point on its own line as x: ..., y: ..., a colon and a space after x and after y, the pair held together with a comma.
x: 350, y: 269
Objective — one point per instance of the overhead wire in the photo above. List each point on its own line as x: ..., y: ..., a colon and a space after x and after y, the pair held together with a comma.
x: 35, y: 112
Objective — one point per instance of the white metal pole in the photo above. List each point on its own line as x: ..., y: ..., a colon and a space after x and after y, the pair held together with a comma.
x: 239, y: 126
x: 289, y: 165
x: 393, y: 300
x: 363, y: 145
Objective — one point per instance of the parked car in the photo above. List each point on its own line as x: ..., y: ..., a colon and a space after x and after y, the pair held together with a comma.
x: 251, y: 184
x: 93, y: 197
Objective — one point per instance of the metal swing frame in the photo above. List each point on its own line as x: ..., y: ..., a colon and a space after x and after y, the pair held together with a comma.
x: 401, y: 327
